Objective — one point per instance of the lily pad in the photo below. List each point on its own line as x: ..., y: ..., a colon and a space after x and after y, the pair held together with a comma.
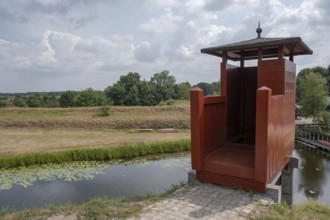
x: 26, y: 176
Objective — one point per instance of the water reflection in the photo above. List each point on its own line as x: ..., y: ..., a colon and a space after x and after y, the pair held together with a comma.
x: 312, y: 178
x: 58, y: 185
x: 151, y: 175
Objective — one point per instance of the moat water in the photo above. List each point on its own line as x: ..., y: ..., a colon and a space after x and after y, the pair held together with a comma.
x: 39, y: 186
x: 312, y: 178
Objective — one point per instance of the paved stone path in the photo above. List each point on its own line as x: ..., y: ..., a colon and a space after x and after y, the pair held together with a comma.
x: 206, y: 201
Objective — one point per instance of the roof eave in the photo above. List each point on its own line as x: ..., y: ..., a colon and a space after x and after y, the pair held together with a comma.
x: 217, y: 51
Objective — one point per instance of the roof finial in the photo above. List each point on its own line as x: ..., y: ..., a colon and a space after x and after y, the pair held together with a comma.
x: 259, y: 30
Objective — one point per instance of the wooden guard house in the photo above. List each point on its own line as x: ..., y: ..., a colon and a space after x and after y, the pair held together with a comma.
x: 245, y: 136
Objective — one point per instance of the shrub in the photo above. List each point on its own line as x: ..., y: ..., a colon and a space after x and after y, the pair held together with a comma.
x: 3, y: 104
x: 105, y: 110
x: 19, y: 102
x: 170, y: 102
x: 167, y: 102
x: 325, y: 119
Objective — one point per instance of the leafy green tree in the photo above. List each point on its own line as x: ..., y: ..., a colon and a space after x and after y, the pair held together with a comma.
x: 34, y: 101
x: 215, y: 88
x: 206, y: 87
x: 116, y: 93
x: 90, y: 97
x: 68, y: 99
x: 164, y: 85
x: 182, y: 90
x: 130, y: 80
x: 101, y: 99
x: 324, y: 72
x: 19, y: 102
x: 3, y: 103
x: 313, y: 91
x: 147, y: 94
x: 325, y: 119
x: 125, y: 91
x: 50, y: 101
x: 132, y: 97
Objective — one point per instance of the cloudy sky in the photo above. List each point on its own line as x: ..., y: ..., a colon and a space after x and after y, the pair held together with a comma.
x: 55, y: 45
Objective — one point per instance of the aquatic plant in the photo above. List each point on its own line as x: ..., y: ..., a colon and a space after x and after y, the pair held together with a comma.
x: 26, y: 176
x: 96, y: 154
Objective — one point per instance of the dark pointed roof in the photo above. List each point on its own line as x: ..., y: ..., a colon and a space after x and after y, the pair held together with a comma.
x: 248, y: 49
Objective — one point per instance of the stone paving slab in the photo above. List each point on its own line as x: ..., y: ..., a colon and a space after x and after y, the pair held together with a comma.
x: 206, y: 201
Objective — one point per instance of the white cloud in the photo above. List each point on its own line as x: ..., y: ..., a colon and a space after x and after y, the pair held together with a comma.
x: 167, y: 23
x: 144, y: 51
x: 164, y: 3
x: 193, y: 6
x: 57, y: 45
x: 61, y: 55
x: 212, y: 33
x: 215, y: 5
x: 191, y: 24
x: 187, y: 51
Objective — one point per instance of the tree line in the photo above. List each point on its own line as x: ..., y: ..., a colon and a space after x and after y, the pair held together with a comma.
x: 129, y: 90
x: 312, y: 92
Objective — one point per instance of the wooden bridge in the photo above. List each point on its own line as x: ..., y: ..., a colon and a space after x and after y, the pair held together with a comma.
x: 314, y: 141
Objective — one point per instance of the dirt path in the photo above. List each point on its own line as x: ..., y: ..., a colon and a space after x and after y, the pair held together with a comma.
x: 21, y: 141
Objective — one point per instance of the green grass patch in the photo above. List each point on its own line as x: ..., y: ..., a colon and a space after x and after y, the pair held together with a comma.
x: 96, y: 154
x: 309, y: 210
x: 32, y: 113
x: 98, y: 208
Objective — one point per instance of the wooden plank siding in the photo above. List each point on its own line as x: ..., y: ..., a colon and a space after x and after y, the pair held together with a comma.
x: 275, y: 118
x: 256, y: 102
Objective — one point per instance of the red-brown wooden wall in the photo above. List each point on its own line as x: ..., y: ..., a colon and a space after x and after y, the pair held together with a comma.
x: 275, y: 124
x: 266, y: 94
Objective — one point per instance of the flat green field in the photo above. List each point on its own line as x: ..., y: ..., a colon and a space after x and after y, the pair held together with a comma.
x: 176, y: 116
x: 33, y: 130
x: 15, y: 141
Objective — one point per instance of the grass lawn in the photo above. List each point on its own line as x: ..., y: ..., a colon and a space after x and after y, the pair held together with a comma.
x: 15, y: 141
x: 176, y: 116
x: 307, y: 211
x: 34, y: 130
x: 178, y: 111
x: 99, y: 208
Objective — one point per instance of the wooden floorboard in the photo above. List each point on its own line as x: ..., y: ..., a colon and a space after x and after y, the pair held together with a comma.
x: 243, y: 183
x: 231, y: 161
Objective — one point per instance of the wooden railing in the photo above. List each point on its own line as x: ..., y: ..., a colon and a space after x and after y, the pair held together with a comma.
x: 313, y: 135
x: 274, y: 135
x: 208, y: 121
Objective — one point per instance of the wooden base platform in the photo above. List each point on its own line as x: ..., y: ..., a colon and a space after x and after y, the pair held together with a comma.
x: 231, y: 161
x: 243, y: 183
x: 231, y: 166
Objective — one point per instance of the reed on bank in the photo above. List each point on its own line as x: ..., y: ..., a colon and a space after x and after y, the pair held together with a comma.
x: 96, y: 154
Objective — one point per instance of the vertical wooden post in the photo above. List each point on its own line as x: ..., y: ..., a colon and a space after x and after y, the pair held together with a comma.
x: 224, y: 74
x: 224, y: 93
x: 291, y: 56
x: 280, y: 52
x: 259, y: 54
x: 242, y: 62
x: 262, y: 121
x: 197, y: 127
